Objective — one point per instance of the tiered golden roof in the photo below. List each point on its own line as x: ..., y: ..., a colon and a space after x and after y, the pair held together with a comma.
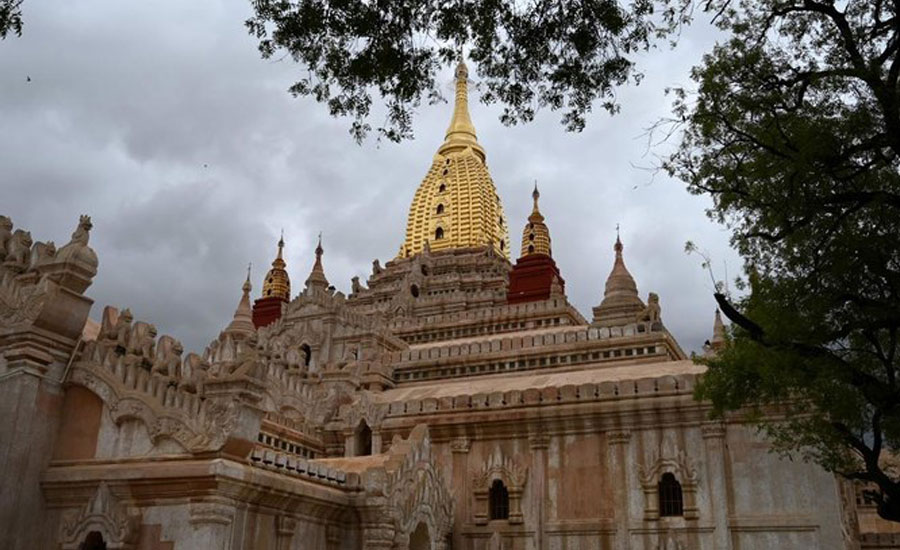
x: 277, y: 283
x: 536, y: 235
x: 457, y: 206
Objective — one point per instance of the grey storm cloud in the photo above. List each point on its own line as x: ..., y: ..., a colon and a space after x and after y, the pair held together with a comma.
x: 160, y: 120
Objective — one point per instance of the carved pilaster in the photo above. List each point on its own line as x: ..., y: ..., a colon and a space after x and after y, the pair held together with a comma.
x: 538, y: 441
x: 211, y: 513
x: 712, y: 430
x: 621, y: 437
x: 617, y: 442
x: 333, y: 536
x: 284, y: 531
x: 716, y: 475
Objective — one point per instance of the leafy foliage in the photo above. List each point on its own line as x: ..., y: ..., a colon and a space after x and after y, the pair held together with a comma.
x: 10, y: 17
x: 794, y: 131
x: 561, y: 54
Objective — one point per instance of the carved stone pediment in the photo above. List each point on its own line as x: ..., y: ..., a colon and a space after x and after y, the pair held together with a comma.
x: 117, y: 524
x: 498, y: 466
x: 681, y: 465
x: 365, y: 408
x: 411, y: 488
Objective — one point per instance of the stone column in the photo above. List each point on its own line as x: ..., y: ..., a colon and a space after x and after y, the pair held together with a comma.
x: 714, y: 441
x: 460, y: 449
x: 618, y: 474
x: 538, y: 443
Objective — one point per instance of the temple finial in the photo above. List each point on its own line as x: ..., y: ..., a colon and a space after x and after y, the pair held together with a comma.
x: 461, y: 132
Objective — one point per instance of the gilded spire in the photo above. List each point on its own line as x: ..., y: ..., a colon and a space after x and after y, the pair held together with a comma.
x: 536, y: 235
x: 456, y: 205
x: 277, y: 283
x: 461, y: 132
x: 317, y: 275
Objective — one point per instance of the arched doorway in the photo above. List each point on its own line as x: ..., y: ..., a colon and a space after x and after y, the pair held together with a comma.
x: 420, y: 539
x: 93, y: 541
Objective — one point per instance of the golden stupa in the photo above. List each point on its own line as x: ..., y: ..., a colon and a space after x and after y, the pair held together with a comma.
x: 277, y: 283
x: 456, y: 205
x: 536, y: 235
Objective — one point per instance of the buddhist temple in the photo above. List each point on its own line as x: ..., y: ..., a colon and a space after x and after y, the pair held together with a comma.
x: 449, y: 398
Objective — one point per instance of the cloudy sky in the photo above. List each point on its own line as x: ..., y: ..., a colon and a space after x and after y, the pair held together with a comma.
x: 161, y: 121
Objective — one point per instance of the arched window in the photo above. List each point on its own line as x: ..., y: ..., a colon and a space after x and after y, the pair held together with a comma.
x: 363, y: 439
x: 531, y: 249
x: 502, y: 244
x: 442, y: 188
x: 531, y: 236
x: 498, y: 500
x: 414, y: 290
x: 307, y: 354
x: 440, y: 209
x: 671, y: 502
x: 93, y: 541
x: 439, y: 233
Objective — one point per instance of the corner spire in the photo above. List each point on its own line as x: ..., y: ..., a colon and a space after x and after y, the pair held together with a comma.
x: 620, y: 297
x: 241, y: 324
x: 247, y: 286
x: 317, y: 275
x: 461, y: 132
x: 536, y: 235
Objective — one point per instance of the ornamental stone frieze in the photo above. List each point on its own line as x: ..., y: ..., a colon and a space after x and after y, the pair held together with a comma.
x: 685, y: 472
x: 513, y: 475
x: 118, y: 524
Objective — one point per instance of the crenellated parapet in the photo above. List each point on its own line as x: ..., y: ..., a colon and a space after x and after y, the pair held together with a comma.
x: 201, y: 402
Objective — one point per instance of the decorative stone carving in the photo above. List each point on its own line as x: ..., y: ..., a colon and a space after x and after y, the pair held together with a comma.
x: 712, y: 430
x: 118, y: 524
x: 621, y: 437
x: 365, y: 408
x: 511, y: 473
x: 197, y: 425
x: 539, y: 441
x: 22, y: 304
x: 168, y: 357
x: 214, y: 512
x: 460, y: 445
x: 670, y: 543
x: 411, y: 490
x: 6, y: 226
x: 18, y: 251
x: 75, y: 264
x: 684, y: 470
